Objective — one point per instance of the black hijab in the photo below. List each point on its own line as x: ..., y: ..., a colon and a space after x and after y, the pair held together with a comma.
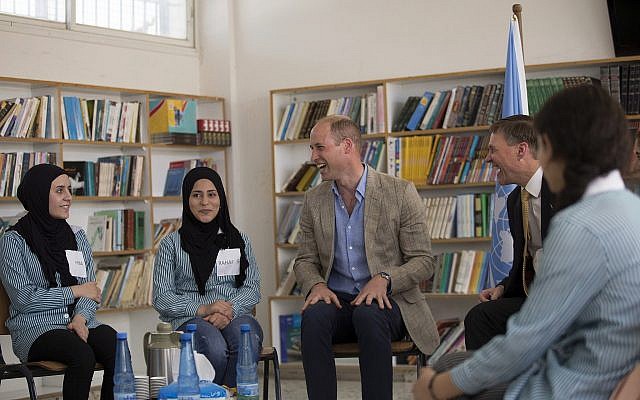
x: 46, y: 236
x: 202, y: 241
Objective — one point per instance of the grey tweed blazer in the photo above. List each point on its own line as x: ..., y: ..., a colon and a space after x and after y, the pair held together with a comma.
x: 396, y: 242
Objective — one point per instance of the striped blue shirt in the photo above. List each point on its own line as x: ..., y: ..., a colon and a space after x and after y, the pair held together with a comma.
x: 350, y: 271
x: 175, y: 292
x: 578, y: 333
x: 36, y: 308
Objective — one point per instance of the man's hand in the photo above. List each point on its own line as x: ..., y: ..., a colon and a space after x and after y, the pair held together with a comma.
x: 79, y: 325
x: 492, y: 293
x: 321, y: 292
x: 89, y: 290
x: 375, y: 289
x: 218, y: 320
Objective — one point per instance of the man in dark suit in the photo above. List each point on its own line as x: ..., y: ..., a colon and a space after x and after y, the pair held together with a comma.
x: 512, y: 147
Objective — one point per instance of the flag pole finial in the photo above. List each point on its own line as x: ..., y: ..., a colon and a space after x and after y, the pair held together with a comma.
x: 517, y: 11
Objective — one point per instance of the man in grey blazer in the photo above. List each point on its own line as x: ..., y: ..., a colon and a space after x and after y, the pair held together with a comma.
x: 363, y: 250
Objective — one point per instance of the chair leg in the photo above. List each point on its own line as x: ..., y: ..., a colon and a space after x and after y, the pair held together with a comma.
x: 265, y: 383
x: 30, y: 382
x: 276, y: 374
x: 421, y: 363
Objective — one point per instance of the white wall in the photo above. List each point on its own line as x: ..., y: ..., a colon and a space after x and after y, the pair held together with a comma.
x: 290, y: 43
x: 248, y: 47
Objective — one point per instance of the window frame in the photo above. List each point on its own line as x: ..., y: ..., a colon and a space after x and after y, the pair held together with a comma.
x: 11, y: 21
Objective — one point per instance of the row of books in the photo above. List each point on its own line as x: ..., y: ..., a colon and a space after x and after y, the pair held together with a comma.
x: 372, y: 153
x: 539, y: 90
x: 100, y: 120
x: 213, y: 138
x: 308, y: 175
x: 462, y: 216
x: 459, y: 272
x: 461, y: 106
x: 125, y: 281
x: 440, y: 159
x: 622, y: 81
x: 298, y: 119
x: 13, y: 166
x: 108, y: 176
x: 115, y: 230
x: 26, y: 117
x: 288, y: 285
x: 451, y: 341
x: 290, y: 331
x: 289, y: 225
x: 177, y: 171
x: 164, y: 228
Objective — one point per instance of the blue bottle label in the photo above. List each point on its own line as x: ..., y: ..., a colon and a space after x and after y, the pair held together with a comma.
x: 124, y: 396
x: 248, y: 391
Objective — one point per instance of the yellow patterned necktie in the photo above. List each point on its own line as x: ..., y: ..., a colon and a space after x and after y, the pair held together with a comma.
x: 524, y: 198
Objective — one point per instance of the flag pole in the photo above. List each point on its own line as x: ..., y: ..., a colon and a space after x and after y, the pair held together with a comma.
x: 517, y: 11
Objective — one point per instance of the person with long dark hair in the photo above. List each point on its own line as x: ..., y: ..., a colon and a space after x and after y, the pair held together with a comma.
x: 205, y: 273
x: 576, y: 335
x: 48, y: 274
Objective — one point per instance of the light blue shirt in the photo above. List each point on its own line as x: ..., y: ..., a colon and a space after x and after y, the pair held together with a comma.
x: 350, y: 271
x: 578, y: 333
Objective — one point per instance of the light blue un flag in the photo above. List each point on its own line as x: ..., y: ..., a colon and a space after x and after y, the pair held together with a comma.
x: 514, y: 102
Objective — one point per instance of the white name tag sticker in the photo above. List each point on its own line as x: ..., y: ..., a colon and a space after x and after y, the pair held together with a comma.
x: 228, y: 262
x: 76, y: 263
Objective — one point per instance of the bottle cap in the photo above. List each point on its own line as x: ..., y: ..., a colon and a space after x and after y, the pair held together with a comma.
x: 121, y: 335
x: 245, y: 328
x: 185, y: 337
x: 191, y: 327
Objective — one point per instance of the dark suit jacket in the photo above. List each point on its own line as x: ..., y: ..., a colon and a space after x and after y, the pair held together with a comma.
x: 513, y: 283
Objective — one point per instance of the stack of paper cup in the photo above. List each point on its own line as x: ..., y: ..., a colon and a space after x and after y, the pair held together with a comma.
x: 142, y: 387
x: 156, y: 382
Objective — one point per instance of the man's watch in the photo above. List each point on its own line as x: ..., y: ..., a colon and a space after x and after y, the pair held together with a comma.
x: 388, y: 278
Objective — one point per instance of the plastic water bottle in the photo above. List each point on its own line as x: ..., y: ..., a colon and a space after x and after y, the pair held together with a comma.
x: 123, y: 382
x: 205, y: 370
x: 247, y: 367
x: 192, y: 328
x: 188, y: 388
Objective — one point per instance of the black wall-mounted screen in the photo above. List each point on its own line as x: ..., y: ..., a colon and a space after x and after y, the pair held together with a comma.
x: 624, y: 16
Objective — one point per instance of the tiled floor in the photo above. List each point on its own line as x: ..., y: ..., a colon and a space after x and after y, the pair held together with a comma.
x: 295, y: 389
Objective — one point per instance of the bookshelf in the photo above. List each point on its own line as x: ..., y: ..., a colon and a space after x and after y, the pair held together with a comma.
x: 139, y: 317
x: 289, y: 151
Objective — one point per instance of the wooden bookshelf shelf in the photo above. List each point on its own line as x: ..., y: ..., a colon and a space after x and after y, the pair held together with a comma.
x: 461, y: 241
x: 289, y: 194
x: 119, y: 253
x: 111, y: 198
x: 445, y: 131
x: 123, y: 309
x: 28, y: 140
x: 102, y: 143
x: 206, y: 147
x: 292, y: 141
x: 477, y: 185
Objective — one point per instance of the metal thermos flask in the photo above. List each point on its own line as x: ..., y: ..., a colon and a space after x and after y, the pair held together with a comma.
x: 161, y: 348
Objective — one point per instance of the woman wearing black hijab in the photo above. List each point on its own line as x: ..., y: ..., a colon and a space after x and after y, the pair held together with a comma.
x: 206, y: 274
x: 47, y: 272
